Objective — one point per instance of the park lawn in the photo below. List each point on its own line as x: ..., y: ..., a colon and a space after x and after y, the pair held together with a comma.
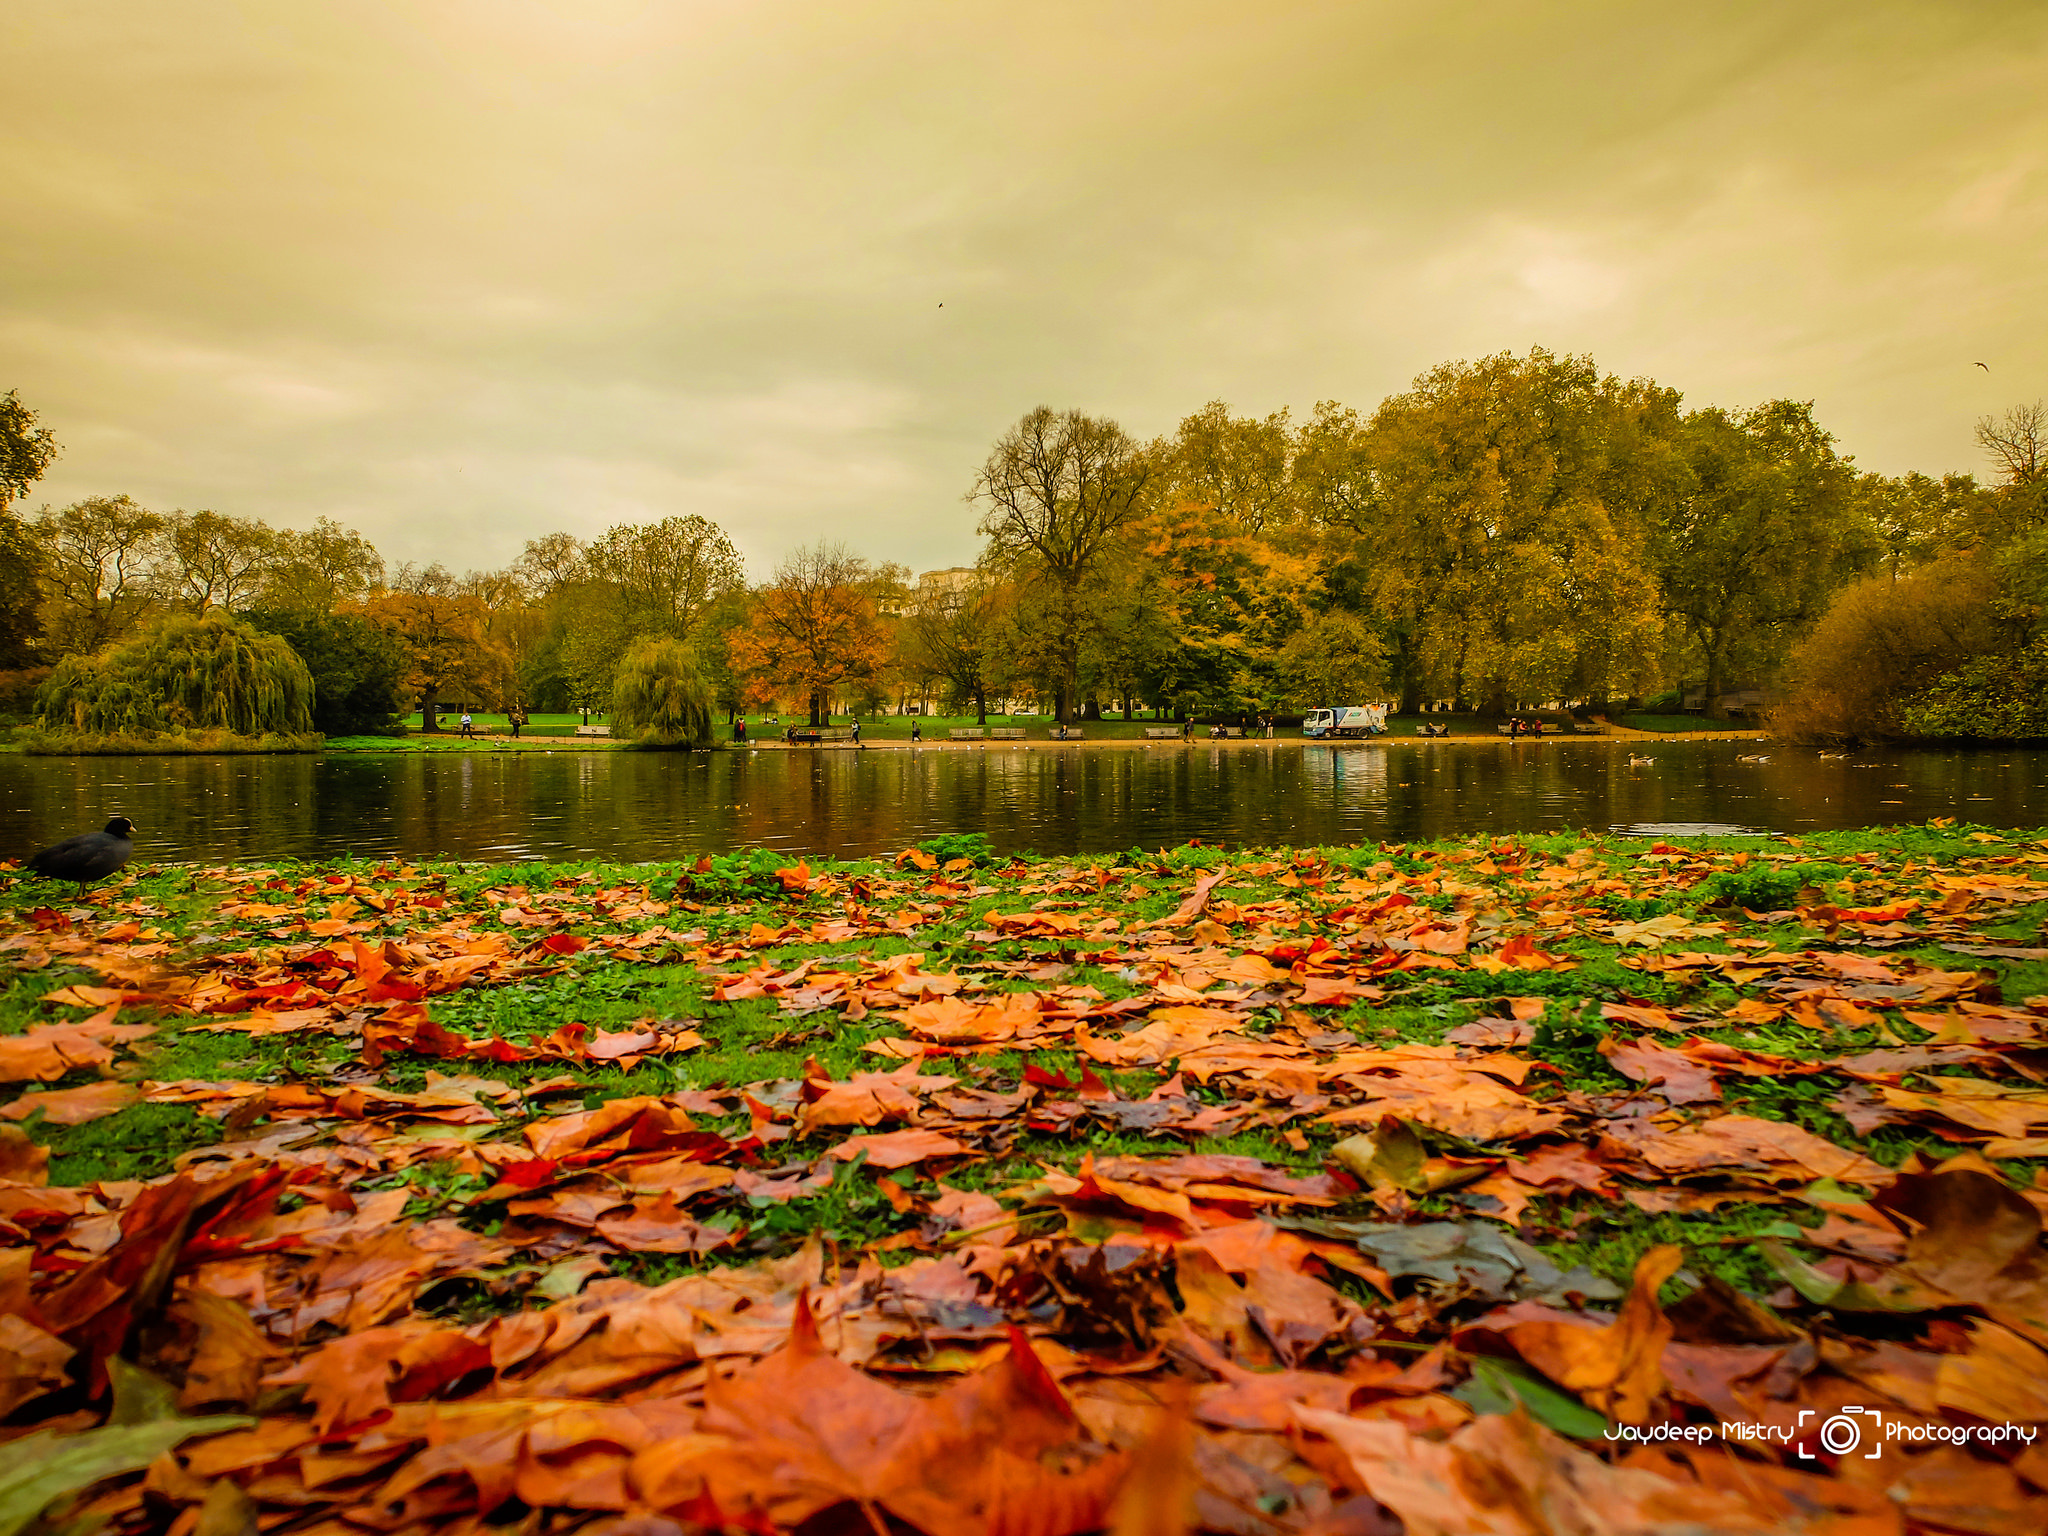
x: 1256, y: 1080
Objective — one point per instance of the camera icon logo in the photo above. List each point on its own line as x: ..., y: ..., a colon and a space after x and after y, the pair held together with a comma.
x: 1842, y: 1433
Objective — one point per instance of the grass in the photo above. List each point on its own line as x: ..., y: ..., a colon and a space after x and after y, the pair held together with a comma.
x: 756, y: 1044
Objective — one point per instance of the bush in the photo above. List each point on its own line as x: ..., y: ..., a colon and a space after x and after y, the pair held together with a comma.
x: 178, y: 676
x: 1764, y: 887
x: 660, y: 698
x: 169, y: 743
x: 1883, y: 641
x: 1993, y: 698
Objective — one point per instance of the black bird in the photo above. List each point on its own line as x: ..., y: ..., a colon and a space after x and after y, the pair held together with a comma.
x: 1985, y: 366
x: 89, y: 856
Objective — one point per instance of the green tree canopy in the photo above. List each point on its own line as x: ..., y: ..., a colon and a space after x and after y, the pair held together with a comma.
x: 1766, y: 529
x: 179, y: 674
x: 358, y: 670
x: 26, y: 449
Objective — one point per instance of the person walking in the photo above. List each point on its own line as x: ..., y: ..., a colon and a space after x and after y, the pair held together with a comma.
x: 466, y: 722
x: 914, y: 736
x: 739, y: 730
x: 513, y: 720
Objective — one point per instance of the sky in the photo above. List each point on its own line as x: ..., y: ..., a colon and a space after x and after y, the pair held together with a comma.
x: 459, y: 273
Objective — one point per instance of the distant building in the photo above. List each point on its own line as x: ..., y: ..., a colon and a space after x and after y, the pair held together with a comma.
x: 930, y: 584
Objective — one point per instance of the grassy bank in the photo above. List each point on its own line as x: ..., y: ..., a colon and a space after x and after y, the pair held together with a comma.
x: 1326, y: 1108
x: 40, y: 743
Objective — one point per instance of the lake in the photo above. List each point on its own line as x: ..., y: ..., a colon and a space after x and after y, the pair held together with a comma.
x: 569, y: 805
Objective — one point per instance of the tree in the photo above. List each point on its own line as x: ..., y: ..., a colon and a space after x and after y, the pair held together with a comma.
x: 211, y: 561
x: 21, y: 592
x: 551, y: 562
x: 1235, y: 468
x: 1763, y: 536
x: 1501, y: 507
x: 661, y: 697
x: 668, y: 572
x: 814, y: 628
x: 1056, y: 492
x: 321, y: 568
x: 2017, y: 442
x: 99, y: 563
x: 358, y: 670
x: 1914, y: 518
x: 438, y: 632
x: 180, y: 674
x: 953, y: 629
x: 26, y: 449
x: 1332, y: 660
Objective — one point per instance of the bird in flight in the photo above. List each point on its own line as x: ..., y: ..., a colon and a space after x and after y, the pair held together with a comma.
x: 1985, y: 366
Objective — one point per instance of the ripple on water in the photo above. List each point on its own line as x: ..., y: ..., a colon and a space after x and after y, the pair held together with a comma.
x: 1687, y: 829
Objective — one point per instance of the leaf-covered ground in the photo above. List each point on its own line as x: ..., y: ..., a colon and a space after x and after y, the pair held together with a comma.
x: 1495, y: 1187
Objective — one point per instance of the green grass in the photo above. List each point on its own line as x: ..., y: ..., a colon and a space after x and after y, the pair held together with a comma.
x: 1680, y: 724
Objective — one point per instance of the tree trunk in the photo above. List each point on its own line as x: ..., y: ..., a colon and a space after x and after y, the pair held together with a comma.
x: 817, y: 703
x: 430, y: 707
x: 981, y: 706
x: 1715, y: 681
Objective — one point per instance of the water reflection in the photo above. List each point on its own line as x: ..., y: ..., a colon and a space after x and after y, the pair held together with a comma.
x: 567, y: 805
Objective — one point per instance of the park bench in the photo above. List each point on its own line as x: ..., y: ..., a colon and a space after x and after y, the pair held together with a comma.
x: 1589, y: 730
x: 593, y: 730
x: 1073, y: 734
x: 1225, y: 732
x: 1162, y: 732
x: 966, y: 733
x: 1006, y: 733
x: 820, y: 733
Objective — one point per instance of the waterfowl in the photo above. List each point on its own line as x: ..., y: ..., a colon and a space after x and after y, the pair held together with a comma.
x: 89, y: 856
x: 1640, y: 760
x: 1751, y: 757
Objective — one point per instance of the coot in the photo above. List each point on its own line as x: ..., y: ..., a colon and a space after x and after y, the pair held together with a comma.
x: 89, y: 856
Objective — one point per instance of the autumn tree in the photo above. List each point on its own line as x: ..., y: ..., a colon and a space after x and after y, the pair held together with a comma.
x: 1056, y: 492
x: 1235, y: 468
x: 1763, y: 533
x: 212, y: 561
x: 439, y: 628
x: 1501, y: 507
x: 814, y: 628
x: 99, y: 569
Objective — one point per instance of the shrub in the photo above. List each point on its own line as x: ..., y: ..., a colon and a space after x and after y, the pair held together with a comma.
x: 182, y: 675
x: 1764, y: 887
x: 1882, y: 641
x: 660, y: 698
x: 1993, y: 698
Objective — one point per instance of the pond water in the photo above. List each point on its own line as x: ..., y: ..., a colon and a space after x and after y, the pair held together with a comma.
x: 636, y: 806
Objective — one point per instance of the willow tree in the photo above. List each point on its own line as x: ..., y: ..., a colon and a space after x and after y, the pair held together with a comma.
x: 183, y: 674
x: 661, y: 697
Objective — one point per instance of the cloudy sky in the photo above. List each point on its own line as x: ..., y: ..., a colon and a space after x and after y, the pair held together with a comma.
x: 462, y: 272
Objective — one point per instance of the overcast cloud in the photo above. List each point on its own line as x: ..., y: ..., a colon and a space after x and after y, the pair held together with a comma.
x: 460, y: 274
